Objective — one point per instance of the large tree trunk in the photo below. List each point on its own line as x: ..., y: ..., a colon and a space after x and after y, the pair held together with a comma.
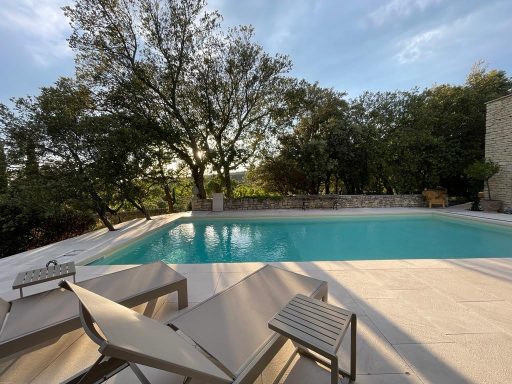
x: 168, y: 198
x: 198, y: 176
x: 140, y: 207
x: 227, y: 183
x: 105, y: 221
x: 328, y: 184
x: 167, y: 191
x: 100, y: 208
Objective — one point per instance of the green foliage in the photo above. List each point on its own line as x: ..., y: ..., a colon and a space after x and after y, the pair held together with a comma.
x: 214, y: 185
x: 183, y: 192
x: 384, y: 142
x: 483, y: 170
x: 312, y: 152
x: 26, y: 227
x: 248, y: 190
x: 39, y: 210
x: 4, y: 180
x: 210, y: 95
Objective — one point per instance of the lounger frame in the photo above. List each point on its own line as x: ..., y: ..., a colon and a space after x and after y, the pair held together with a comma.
x: 106, y: 367
x: 57, y: 329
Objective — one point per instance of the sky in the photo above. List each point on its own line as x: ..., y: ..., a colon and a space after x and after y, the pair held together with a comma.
x: 351, y: 46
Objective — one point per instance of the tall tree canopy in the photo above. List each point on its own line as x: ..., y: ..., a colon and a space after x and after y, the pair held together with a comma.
x: 211, y: 94
x: 384, y: 142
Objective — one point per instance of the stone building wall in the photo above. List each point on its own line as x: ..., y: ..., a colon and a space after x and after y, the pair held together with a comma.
x: 314, y: 202
x: 498, y: 147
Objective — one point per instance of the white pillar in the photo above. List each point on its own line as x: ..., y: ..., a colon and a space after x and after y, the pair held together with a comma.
x: 218, y: 202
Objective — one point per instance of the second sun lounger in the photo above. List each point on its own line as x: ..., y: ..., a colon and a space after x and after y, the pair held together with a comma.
x: 233, y: 343
x: 34, y: 319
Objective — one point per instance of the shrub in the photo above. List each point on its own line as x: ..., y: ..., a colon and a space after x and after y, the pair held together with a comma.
x: 24, y: 227
x: 483, y: 170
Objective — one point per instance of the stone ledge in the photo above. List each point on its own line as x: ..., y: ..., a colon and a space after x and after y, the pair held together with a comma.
x: 314, y: 202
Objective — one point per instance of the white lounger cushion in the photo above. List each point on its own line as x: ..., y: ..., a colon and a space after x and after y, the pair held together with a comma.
x: 131, y: 336
x: 233, y: 325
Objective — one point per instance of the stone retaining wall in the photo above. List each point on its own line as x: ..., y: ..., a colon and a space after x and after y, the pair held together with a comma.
x: 498, y: 147
x: 314, y: 202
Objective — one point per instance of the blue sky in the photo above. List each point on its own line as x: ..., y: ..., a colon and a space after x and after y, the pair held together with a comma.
x: 349, y: 45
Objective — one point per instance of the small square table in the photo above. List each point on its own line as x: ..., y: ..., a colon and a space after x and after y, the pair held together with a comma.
x: 318, y: 327
x: 42, y: 275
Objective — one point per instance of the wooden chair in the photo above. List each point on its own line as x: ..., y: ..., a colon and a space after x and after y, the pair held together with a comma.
x: 435, y: 196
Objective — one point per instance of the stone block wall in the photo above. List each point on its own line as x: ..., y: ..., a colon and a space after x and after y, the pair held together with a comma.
x: 201, y: 204
x: 314, y: 202
x: 498, y: 147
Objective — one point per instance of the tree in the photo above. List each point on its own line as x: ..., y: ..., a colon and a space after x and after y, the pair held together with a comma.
x: 240, y: 89
x: 483, y: 170
x: 311, y: 152
x: 72, y: 135
x: 21, y: 135
x: 399, y: 151
x: 164, y: 175
x: 36, y: 206
x: 457, y: 117
x: 321, y: 116
x: 210, y: 93
x: 423, y: 139
x: 123, y: 160
x: 4, y: 180
x: 279, y: 174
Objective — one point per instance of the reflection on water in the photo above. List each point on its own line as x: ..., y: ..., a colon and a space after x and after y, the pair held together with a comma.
x: 226, y: 242
x: 306, y: 239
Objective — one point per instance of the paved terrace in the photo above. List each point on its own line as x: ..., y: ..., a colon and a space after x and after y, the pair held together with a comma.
x: 419, y: 321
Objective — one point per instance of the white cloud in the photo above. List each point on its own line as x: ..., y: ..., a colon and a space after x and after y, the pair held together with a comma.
x: 41, y: 27
x: 445, y: 40
x: 399, y: 9
x: 419, y: 45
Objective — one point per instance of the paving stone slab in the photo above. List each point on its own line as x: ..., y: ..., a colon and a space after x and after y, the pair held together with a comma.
x: 361, y: 285
x: 397, y: 279
x: 478, y: 359
x: 375, y: 355
x: 454, y: 285
x: 497, y: 312
x: 400, y: 323
x: 449, y: 316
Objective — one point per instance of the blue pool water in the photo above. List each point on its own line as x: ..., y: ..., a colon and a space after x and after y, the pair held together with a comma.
x: 309, y: 239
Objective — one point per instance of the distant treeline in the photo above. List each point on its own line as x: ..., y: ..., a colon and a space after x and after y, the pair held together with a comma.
x: 385, y: 142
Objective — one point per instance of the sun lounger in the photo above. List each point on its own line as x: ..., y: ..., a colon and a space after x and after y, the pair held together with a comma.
x: 35, y: 319
x: 232, y: 341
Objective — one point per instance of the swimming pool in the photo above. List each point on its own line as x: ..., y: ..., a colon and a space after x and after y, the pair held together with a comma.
x: 379, y: 237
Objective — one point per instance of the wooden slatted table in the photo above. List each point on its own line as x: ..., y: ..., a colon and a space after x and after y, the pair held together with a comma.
x: 318, y: 327
x: 42, y: 275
